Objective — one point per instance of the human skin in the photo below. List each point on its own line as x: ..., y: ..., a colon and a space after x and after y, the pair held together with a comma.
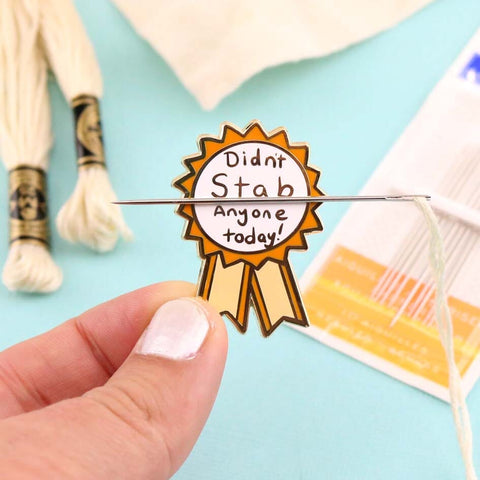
x: 78, y: 403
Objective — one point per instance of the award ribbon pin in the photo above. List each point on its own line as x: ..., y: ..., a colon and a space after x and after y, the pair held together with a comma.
x: 249, y: 198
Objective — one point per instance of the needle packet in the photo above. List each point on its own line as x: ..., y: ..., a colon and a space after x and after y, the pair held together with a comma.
x: 369, y: 292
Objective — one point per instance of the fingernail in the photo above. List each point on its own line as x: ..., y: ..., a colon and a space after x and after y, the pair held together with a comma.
x: 177, y: 330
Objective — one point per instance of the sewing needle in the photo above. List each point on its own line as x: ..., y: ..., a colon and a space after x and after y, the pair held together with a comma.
x: 305, y: 199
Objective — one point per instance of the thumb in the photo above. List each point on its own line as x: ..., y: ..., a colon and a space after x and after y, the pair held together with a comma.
x: 143, y: 422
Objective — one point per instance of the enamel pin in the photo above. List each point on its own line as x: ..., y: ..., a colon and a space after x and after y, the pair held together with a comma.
x: 250, y: 197
x: 245, y: 247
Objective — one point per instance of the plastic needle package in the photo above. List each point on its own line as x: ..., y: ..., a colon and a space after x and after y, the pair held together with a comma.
x: 369, y: 292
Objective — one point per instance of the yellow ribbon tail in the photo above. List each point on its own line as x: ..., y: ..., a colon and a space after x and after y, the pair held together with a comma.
x: 276, y: 297
x: 227, y: 289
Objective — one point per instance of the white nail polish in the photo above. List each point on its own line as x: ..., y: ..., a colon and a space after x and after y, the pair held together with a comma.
x: 177, y: 330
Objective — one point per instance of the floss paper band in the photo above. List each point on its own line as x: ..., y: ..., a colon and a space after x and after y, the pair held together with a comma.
x: 28, y: 218
x: 88, y: 132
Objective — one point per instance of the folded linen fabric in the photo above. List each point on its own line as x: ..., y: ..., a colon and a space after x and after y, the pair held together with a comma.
x: 215, y: 46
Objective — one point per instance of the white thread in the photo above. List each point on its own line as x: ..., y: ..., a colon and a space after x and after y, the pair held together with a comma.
x: 24, y: 130
x: 69, y: 51
x: 30, y: 268
x: 445, y: 329
x: 88, y: 216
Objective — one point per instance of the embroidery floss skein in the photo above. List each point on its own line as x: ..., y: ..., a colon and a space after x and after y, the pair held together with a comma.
x: 445, y: 329
x: 88, y: 217
x: 25, y: 142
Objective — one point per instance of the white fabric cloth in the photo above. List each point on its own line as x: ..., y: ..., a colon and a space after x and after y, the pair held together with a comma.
x: 216, y: 45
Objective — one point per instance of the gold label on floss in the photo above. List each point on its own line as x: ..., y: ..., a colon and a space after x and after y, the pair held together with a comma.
x: 28, y: 206
x: 88, y: 132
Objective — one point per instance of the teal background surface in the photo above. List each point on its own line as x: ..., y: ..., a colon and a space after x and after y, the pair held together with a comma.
x: 288, y: 407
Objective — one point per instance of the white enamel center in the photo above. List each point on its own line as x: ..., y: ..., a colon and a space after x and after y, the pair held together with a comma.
x: 250, y: 169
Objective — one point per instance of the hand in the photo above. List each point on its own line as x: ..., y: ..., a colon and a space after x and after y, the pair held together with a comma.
x: 76, y: 402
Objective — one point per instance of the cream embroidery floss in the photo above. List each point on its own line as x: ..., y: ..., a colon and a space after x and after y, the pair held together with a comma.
x: 25, y: 141
x: 445, y: 329
x: 88, y: 217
